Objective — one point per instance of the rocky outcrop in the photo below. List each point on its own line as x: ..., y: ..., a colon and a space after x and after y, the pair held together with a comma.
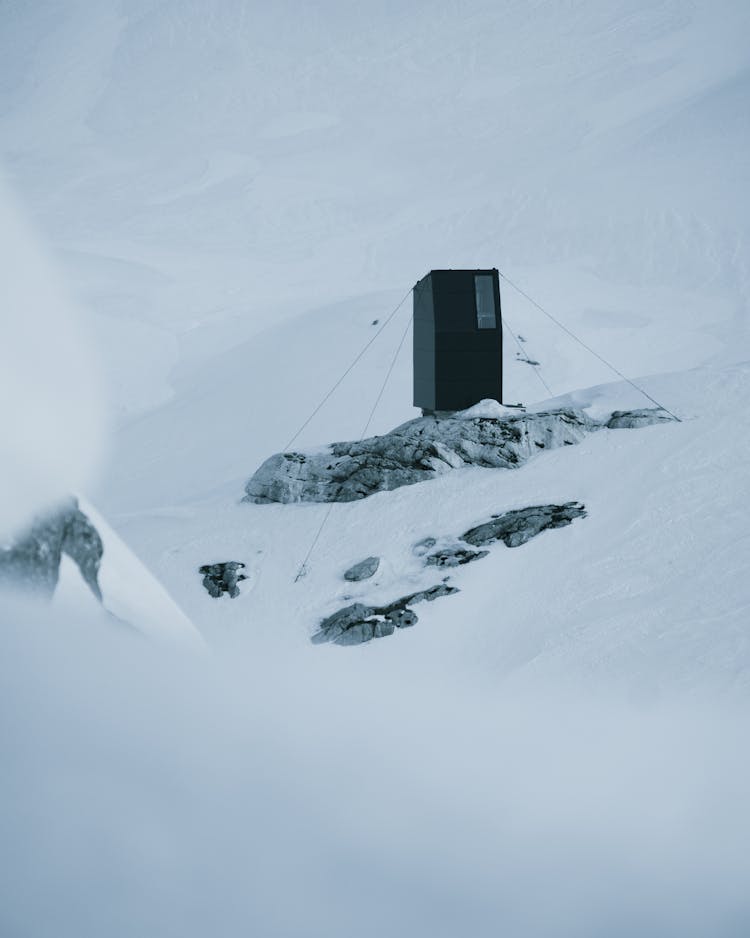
x: 423, y: 449
x: 418, y: 450
x: 359, y: 623
x: 362, y: 570
x: 220, y: 578
x: 514, y: 528
x: 31, y: 562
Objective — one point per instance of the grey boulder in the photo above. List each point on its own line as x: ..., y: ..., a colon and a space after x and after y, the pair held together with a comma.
x: 363, y: 570
x: 334, y: 626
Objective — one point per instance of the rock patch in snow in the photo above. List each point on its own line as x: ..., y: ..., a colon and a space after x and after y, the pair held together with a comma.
x: 363, y: 570
x: 633, y: 419
x: 219, y: 578
x: 454, y: 556
x: 422, y: 449
x: 359, y: 623
x: 517, y: 527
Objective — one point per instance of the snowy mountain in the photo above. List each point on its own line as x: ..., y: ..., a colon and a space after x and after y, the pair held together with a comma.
x: 228, y: 200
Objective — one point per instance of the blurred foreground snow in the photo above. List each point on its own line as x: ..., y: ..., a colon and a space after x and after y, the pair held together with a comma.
x: 53, y: 408
x: 153, y: 794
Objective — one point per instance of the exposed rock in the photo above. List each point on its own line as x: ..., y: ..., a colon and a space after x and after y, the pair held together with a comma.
x: 388, y: 625
x: 517, y: 527
x: 418, y: 450
x: 335, y: 625
x: 454, y: 556
x: 223, y: 577
x: 84, y: 545
x: 428, y: 595
x: 632, y: 419
x: 423, y: 449
x: 363, y: 570
x: 357, y: 633
x: 359, y: 623
x: 31, y: 561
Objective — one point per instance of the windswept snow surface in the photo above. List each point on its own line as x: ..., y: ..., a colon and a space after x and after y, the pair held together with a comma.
x: 236, y: 191
x: 131, y: 593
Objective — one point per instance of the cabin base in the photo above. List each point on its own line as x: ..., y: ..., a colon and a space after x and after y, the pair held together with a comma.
x: 438, y: 414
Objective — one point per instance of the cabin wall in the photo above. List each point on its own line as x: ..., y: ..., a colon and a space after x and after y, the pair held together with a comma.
x: 456, y: 364
x: 424, y: 345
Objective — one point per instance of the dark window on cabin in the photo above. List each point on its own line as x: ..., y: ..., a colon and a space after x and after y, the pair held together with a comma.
x: 484, y: 291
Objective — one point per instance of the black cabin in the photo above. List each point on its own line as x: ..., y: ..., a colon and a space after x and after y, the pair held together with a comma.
x: 458, y: 339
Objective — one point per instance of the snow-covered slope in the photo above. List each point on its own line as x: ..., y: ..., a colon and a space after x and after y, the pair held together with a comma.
x: 210, y: 169
x: 237, y: 191
x: 132, y: 595
x: 648, y: 591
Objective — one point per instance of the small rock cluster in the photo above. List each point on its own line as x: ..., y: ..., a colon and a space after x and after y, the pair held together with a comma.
x: 358, y: 623
x: 220, y: 578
